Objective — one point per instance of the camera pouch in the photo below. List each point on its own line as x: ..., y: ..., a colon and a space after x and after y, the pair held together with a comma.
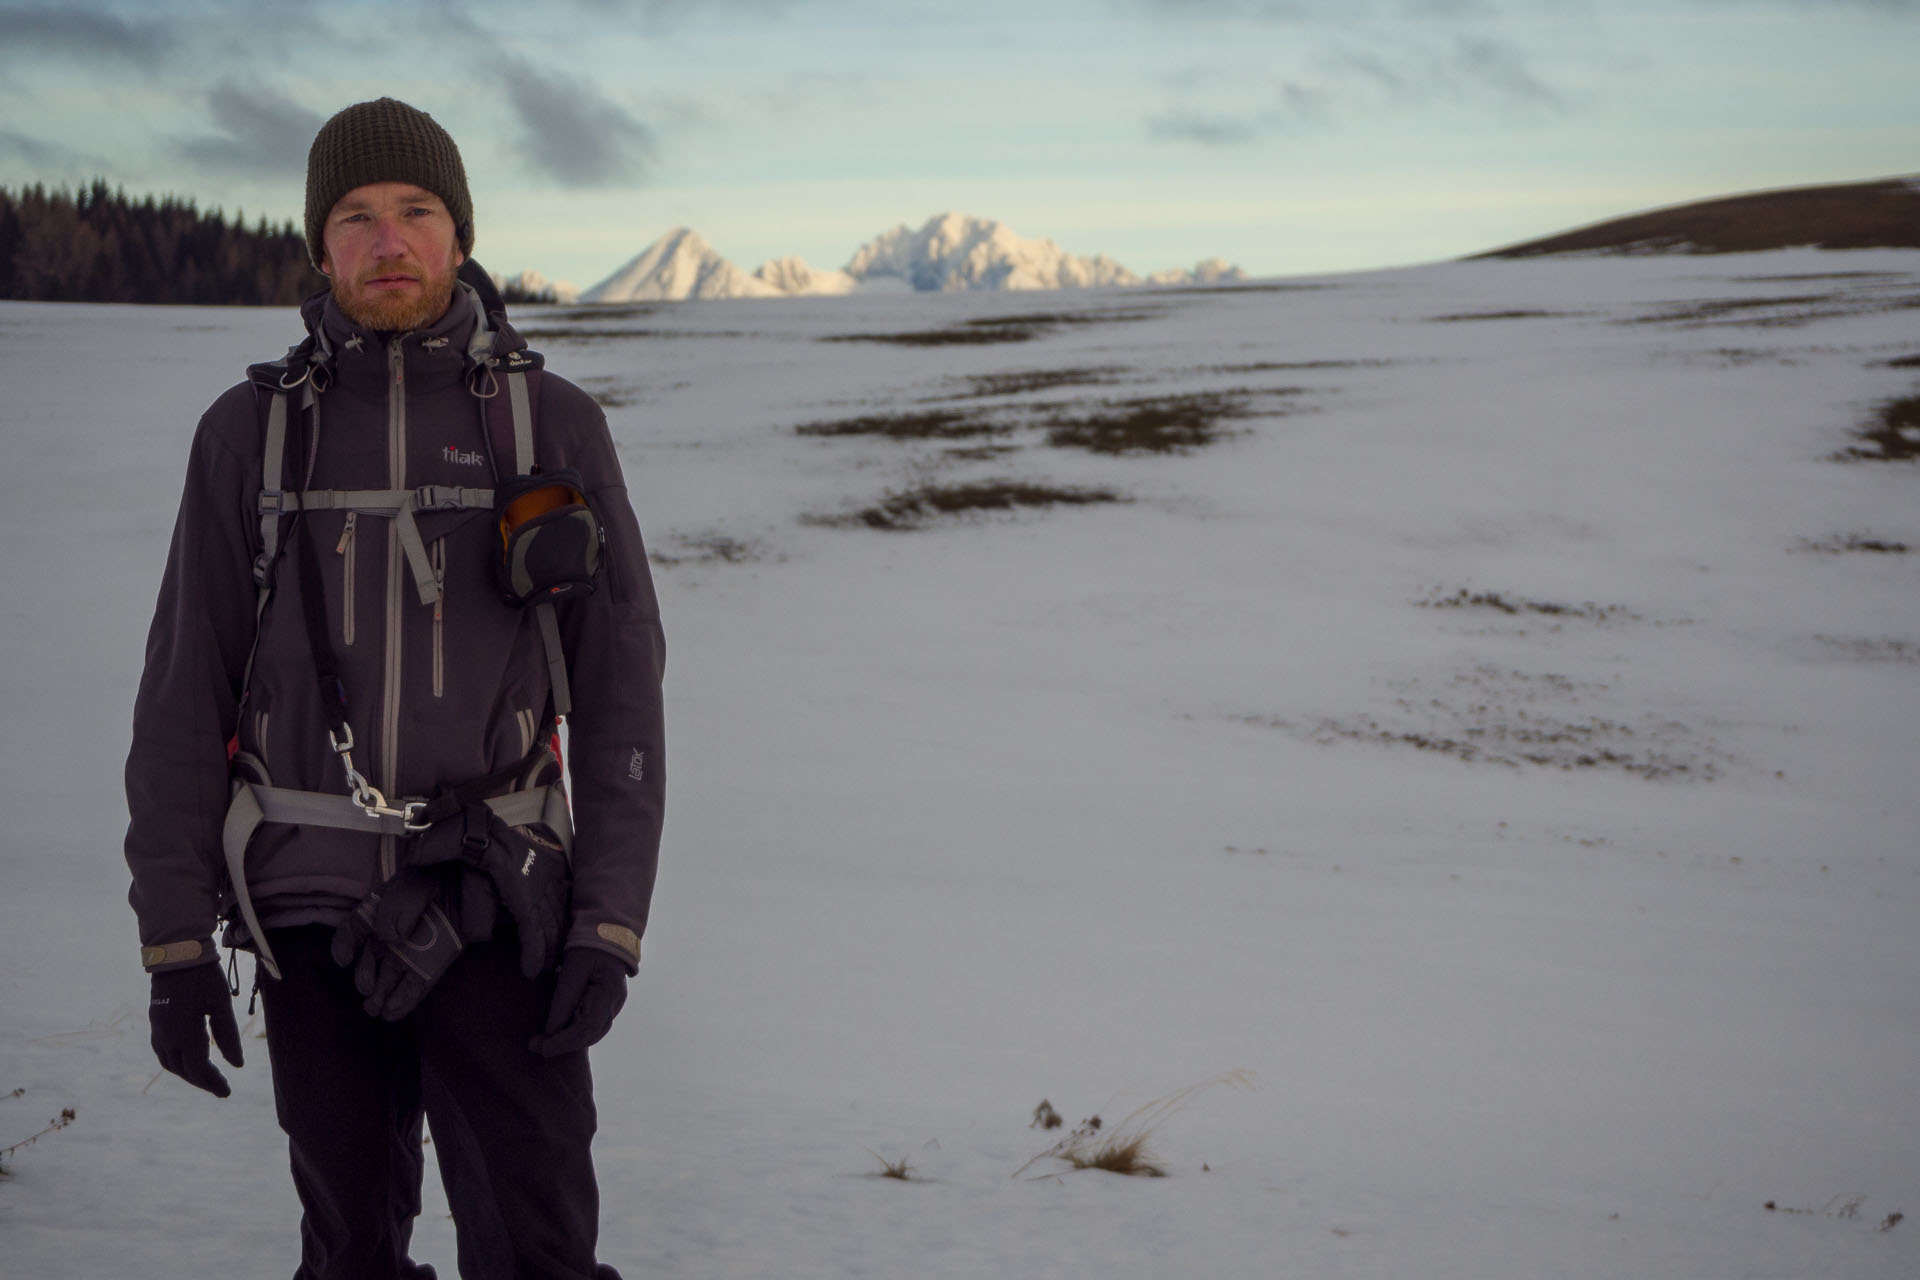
x: 550, y: 542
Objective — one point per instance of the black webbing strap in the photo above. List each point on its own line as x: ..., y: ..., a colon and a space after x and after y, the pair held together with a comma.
x: 313, y: 608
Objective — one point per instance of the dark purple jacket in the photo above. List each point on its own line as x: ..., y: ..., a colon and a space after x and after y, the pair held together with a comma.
x: 436, y: 694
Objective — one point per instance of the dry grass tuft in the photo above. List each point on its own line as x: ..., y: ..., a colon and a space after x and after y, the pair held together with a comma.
x: 900, y: 1170
x: 54, y: 1125
x: 1123, y: 1148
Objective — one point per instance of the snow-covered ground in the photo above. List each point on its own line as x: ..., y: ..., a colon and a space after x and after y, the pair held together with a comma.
x: 1094, y: 802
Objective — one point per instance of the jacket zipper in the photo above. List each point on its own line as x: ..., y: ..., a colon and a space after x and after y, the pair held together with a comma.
x: 346, y: 553
x: 439, y: 616
x: 396, y: 576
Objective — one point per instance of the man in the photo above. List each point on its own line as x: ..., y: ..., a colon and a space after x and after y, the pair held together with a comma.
x: 344, y: 739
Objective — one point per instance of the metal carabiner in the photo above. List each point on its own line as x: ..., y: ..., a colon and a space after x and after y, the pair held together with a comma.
x: 364, y: 793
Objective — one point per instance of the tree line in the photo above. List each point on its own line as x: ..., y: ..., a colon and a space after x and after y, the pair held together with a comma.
x: 97, y: 245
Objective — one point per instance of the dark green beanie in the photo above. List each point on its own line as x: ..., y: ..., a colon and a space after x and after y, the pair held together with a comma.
x: 384, y: 141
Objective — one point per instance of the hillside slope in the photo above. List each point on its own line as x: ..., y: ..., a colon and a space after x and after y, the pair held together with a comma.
x: 1883, y: 214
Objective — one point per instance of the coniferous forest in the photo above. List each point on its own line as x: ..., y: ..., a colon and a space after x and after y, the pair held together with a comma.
x: 97, y: 245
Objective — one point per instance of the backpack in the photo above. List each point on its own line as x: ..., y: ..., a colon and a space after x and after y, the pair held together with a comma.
x: 544, y: 519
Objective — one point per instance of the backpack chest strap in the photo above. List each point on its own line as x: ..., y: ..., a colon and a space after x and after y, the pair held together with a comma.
x: 397, y: 504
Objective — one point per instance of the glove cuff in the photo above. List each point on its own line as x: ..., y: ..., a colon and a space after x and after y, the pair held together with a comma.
x: 615, y: 940
x: 163, y: 957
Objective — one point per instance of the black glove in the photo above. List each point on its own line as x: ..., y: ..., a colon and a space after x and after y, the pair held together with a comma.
x: 528, y: 869
x: 591, y: 989
x: 406, y: 934
x: 185, y: 1002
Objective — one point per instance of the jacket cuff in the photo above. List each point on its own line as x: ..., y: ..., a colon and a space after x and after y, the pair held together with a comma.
x: 165, y: 956
x: 614, y: 939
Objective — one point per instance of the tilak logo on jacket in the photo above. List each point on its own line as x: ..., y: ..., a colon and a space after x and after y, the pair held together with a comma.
x: 466, y: 458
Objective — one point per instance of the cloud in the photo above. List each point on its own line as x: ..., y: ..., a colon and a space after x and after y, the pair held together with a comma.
x: 1478, y: 65
x: 258, y: 131
x: 43, y: 29
x: 1289, y: 108
x: 1390, y: 74
x: 40, y: 157
x: 1203, y: 10
x: 572, y: 134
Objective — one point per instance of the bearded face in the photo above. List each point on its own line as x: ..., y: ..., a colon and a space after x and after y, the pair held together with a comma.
x: 391, y: 253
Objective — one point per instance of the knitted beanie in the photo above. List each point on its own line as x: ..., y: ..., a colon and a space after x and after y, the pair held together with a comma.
x: 384, y: 141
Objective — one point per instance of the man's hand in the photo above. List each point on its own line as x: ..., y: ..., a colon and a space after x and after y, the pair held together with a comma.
x: 185, y: 1001
x: 591, y: 988
x: 409, y: 931
x: 528, y: 869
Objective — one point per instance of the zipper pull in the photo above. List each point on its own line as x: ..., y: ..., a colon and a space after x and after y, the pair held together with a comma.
x: 440, y: 577
x: 346, y: 535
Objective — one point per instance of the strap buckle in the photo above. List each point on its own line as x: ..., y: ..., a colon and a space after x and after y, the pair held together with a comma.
x: 368, y: 797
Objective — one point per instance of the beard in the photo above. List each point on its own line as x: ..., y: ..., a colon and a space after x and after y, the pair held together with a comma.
x: 386, y: 311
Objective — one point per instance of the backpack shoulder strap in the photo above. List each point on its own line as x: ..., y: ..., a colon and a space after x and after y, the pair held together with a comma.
x: 517, y: 372
x: 516, y: 379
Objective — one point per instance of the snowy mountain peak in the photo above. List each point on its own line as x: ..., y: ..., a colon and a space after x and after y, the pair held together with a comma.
x: 953, y: 251
x: 679, y: 265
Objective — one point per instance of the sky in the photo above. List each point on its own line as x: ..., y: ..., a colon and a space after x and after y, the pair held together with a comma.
x: 1286, y: 136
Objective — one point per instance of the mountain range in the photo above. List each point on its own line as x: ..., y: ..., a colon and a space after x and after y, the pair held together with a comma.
x: 951, y: 252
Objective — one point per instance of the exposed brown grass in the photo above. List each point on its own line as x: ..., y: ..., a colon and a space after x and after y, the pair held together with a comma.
x: 1155, y: 424
x: 1892, y: 436
x: 1883, y: 214
x: 1842, y: 544
x: 929, y: 424
x: 917, y: 508
x: 985, y: 330
x: 1024, y: 381
x: 1465, y: 599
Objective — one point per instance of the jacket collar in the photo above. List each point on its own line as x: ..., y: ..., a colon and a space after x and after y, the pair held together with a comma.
x: 457, y: 345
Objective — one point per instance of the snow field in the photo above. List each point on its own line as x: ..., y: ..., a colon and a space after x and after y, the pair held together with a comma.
x: 1093, y: 804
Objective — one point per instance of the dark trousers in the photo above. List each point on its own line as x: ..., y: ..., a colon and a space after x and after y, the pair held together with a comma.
x: 512, y: 1130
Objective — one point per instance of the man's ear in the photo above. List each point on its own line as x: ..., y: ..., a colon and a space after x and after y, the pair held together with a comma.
x: 326, y: 266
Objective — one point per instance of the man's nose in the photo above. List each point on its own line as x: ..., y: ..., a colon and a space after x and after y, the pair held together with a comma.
x: 387, y: 240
